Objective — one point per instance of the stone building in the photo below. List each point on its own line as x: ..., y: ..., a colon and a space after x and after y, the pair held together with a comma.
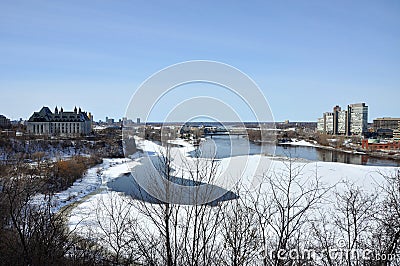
x: 63, y: 123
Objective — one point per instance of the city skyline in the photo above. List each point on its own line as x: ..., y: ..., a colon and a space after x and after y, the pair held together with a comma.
x: 197, y: 119
x: 305, y: 57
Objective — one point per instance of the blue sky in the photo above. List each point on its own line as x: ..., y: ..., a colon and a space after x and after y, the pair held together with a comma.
x: 306, y: 56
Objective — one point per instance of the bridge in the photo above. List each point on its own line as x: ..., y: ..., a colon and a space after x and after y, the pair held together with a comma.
x: 225, y: 132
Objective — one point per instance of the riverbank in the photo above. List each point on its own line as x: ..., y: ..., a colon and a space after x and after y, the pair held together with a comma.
x: 92, y: 216
x: 94, y: 179
x: 395, y: 157
x: 83, y: 210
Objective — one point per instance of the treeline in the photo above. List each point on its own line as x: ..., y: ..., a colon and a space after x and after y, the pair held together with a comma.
x: 106, y: 143
x: 66, y: 172
x: 30, y: 233
x: 51, y: 177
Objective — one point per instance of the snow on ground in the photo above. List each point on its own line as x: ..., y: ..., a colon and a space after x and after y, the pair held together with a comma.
x: 84, y: 217
x: 296, y: 142
x: 97, y: 127
x: 251, y: 167
x: 93, y: 179
x: 114, y: 168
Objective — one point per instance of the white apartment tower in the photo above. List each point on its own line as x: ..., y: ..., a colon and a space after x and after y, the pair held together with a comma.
x: 357, y: 119
x: 329, y: 123
x: 354, y: 121
x: 326, y: 123
x: 341, y: 122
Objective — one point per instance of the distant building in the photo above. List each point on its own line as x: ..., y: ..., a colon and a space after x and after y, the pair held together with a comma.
x: 127, y: 122
x: 321, y: 125
x: 138, y: 120
x: 4, y: 122
x: 329, y: 124
x: 357, y: 119
x: 339, y: 121
x: 386, y: 123
x: 110, y: 121
x: 354, y: 121
x: 385, y: 133
x: 46, y: 122
x: 375, y: 145
x: 396, y: 134
x: 325, y: 124
x: 18, y: 122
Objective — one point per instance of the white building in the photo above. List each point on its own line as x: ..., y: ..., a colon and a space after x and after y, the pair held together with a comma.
x: 325, y: 124
x: 321, y: 125
x: 341, y: 127
x: 45, y: 122
x: 354, y: 121
x: 329, y: 124
x: 357, y: 119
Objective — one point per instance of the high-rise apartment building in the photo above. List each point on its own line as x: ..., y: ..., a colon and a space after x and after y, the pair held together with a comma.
x: 325, y: 124
x: 321, y: 125
x: 339, y: 120
x: 357, y: 119
x: 354, y: 121
x: 329, y: 123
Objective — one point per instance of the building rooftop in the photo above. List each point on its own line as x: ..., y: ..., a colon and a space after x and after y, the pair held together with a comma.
x: 388, y: 118
x: 357, y: 105
x: 46, y: 115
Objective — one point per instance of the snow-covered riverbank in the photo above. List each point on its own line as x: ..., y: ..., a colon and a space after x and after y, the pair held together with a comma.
x: 85, y: 218
x: 254, y: 167
x: 95, y: 178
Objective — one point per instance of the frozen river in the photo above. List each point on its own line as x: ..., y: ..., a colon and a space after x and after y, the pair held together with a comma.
x: 226, y: 146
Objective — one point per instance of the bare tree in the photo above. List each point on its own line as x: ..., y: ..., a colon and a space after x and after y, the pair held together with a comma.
x: 240, y: 232
x: 284, y: 211
x: 354, y: 219
x: 31, y: 233
x: 387, y: 238
x: 187, y: 233
x: 115, y: 227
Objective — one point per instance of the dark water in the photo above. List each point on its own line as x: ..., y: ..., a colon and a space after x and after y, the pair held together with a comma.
x: 227, y: 146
